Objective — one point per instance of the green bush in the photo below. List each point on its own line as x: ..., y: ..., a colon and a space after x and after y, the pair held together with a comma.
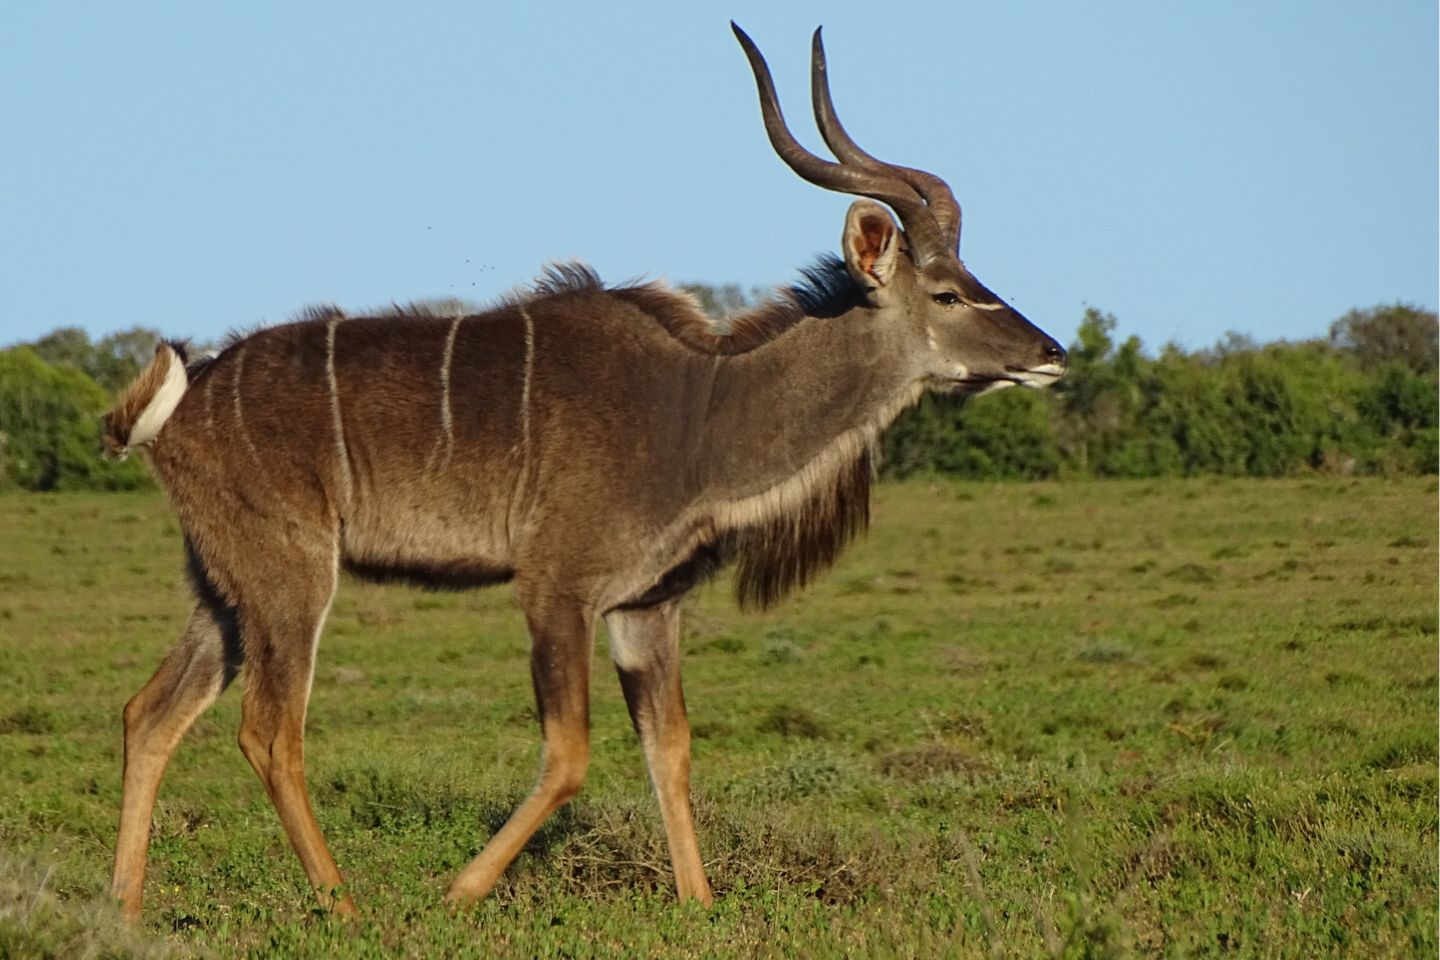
x: 50, y: 429
x: 1009, y: 435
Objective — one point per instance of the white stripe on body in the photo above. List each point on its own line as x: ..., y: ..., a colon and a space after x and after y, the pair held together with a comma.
x: 525, y: 387
x: 447, y: 423
x: 235, y: 399
x: 347, y: 484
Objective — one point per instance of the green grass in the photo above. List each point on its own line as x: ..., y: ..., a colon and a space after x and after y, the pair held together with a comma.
x: 1179, y: 718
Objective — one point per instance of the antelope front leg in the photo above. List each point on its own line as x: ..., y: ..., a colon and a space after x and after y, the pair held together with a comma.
x: 560, y: 634
x: 645, y: 645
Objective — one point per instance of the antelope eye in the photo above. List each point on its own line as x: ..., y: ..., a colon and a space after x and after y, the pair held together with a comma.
x: 946, y: 297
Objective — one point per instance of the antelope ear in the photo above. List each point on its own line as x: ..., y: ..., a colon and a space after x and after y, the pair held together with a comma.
x: 871, y: 242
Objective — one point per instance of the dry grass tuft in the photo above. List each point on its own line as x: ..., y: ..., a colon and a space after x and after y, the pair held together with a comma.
x: 36, y: 922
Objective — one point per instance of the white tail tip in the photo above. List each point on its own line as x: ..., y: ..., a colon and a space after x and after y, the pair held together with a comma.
x: 164, y: 401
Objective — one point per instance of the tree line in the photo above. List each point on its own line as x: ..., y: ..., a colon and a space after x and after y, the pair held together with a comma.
x: 1361, y: 400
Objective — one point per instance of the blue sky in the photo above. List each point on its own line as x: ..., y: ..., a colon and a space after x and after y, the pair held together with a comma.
x: 1193, y: 168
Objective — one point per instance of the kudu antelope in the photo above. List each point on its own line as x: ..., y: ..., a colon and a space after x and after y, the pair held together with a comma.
x: 602, y: 448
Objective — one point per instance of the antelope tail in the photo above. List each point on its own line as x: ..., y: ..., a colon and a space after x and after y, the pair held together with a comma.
x: 143, y: 407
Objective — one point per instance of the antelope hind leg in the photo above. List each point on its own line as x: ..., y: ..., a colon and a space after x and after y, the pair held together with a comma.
x: 280, y: 637
x: 187, y: 682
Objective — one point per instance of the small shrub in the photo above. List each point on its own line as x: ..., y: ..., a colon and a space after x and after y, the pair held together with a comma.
x: 788, y: 720
x: 930, y: 760
x: 28, y: 719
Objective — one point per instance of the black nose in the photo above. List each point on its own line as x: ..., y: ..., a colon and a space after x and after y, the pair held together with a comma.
x: 1054, y: 353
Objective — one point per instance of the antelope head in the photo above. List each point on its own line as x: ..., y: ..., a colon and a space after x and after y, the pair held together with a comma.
x: 960, y: 336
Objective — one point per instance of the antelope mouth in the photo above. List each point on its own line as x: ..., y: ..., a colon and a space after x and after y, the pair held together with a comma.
x: 1036, y: 378
x: 978, y: 383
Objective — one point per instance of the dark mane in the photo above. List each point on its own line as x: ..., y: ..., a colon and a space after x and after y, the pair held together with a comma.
x: 569, y: 276
x: 825, y: 290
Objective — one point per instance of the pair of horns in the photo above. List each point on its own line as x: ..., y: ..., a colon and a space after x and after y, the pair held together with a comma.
x: 924, y: 203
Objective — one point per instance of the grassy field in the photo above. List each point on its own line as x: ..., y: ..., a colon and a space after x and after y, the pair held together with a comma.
x: 1185, y: 718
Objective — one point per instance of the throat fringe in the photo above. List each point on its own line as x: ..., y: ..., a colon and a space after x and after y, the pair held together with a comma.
x: 779, y: 556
